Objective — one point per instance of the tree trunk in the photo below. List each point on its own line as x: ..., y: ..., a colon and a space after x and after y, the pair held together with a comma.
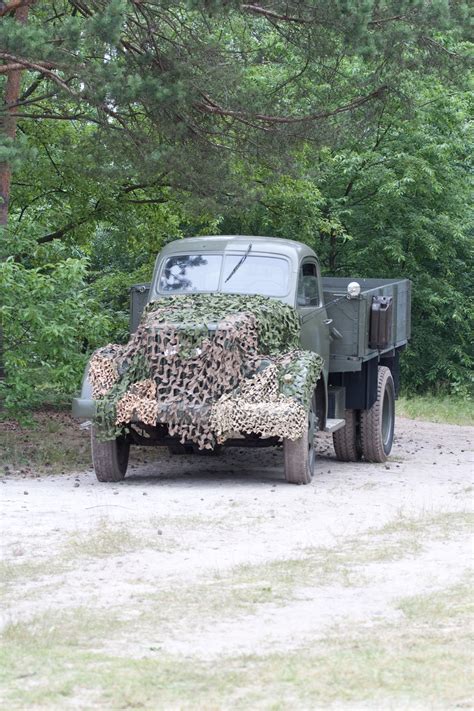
x: 8, y: 127
x: 8, y: 123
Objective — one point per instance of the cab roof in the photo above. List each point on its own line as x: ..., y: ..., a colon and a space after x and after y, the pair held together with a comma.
x: 224, y: 243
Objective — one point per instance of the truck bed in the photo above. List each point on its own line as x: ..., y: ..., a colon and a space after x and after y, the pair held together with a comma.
x: 351, y: 319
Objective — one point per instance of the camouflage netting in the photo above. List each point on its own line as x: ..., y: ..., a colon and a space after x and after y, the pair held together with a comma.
x: 208, y: 366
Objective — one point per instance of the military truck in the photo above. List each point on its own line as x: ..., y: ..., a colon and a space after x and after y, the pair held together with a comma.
x: 239, y: 341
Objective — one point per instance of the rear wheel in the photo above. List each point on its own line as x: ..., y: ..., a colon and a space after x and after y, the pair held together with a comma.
x: 377, y: 424
x: 110, y: 458
x: 299, y: 454
x: 347, y: 440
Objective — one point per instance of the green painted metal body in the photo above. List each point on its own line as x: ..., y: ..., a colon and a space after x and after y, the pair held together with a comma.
x: 337, y: 328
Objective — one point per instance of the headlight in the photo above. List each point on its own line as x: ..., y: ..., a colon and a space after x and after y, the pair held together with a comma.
x: 353, y: 290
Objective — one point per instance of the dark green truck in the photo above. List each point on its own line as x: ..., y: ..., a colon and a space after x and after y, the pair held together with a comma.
x: 239, y: 341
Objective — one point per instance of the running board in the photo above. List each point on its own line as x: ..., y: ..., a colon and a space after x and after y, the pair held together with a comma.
x: 333, y: 425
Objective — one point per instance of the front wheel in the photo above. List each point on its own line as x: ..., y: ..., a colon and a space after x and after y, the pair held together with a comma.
x: 299, y: 454
x: 377, y: 424
x: 110, y: 458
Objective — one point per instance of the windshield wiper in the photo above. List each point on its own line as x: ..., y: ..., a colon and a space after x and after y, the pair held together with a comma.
x: 239, y: 263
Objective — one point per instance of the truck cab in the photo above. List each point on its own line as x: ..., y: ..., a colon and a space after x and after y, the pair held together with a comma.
x: 278, y: 268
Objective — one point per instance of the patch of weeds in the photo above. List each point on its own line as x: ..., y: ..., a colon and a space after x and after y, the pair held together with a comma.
x: 444, y: 524
x: 27, y: 571
x: 50, y: 441
x: 192, y: 522
x: 72, y: 628
x: 242, y: 589
x: 437, y: 408
x: 405, y: 535
x: 455, y: 603
x: 105, y: 540
x: 112, y: 539
x: 402, y: 666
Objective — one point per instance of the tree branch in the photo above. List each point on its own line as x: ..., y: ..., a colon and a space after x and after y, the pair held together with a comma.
x: 437, y: 45
x: 384, y: 20
x: 148, y: 201
x: 211, y: 107
x: 259, y: 10
x: 43, y: 67
x: 57, y: 234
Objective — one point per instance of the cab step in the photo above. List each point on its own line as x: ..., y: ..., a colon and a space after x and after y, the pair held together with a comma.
x: 332, y: 425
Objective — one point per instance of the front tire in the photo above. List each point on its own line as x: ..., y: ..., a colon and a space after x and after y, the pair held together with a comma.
x: 110, y: 458
x: 299, y: 454
x: 377, y: 425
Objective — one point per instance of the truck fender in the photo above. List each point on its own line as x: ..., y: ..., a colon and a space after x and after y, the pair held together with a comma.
x: 86, y: 387
x: 84, y: 407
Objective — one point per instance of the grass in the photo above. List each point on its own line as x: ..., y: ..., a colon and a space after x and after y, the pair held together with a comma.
x: 425, y: 659
x: 432, y: 524
x: 436, y: 408
x: 51, y: 443
x: 456, y: 603
x: 105, y: 540
x: 241, y: 589
x: 111, y: 658
x: 228, y: 594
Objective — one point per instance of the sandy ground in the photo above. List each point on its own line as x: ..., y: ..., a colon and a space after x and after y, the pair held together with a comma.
x: 181, y: 524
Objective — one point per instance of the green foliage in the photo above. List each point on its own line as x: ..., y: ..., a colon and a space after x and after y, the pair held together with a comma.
x: 452, y: 409
x: 50, y: 324
x: 134, y: 137
x: 396, y: 205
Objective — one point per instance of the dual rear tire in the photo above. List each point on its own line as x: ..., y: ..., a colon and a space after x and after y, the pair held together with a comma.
x: 369, y: 433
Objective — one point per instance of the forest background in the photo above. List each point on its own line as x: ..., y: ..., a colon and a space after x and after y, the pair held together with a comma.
x: 126, y: 124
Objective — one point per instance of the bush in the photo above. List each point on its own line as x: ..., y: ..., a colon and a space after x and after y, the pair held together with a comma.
x: 50, y: 324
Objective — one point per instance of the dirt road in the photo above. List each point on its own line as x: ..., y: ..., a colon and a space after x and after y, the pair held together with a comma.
x: 208, y: 582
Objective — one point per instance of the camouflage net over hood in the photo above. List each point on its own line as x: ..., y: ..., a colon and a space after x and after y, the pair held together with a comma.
x: 208, y: 366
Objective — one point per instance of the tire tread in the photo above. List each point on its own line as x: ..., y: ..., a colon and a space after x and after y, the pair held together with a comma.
x: 370, y: 421
x: 108, y: 465
x: 345, y: 440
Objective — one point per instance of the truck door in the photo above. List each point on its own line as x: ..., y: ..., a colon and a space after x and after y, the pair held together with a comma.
x: 313, y: 316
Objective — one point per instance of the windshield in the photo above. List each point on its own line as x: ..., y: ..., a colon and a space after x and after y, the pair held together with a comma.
x: 264, y: 275
x: 184, y: 273
x: 196, y: 272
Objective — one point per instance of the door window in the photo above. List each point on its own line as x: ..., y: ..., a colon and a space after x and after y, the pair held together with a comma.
x: 308, y: 285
